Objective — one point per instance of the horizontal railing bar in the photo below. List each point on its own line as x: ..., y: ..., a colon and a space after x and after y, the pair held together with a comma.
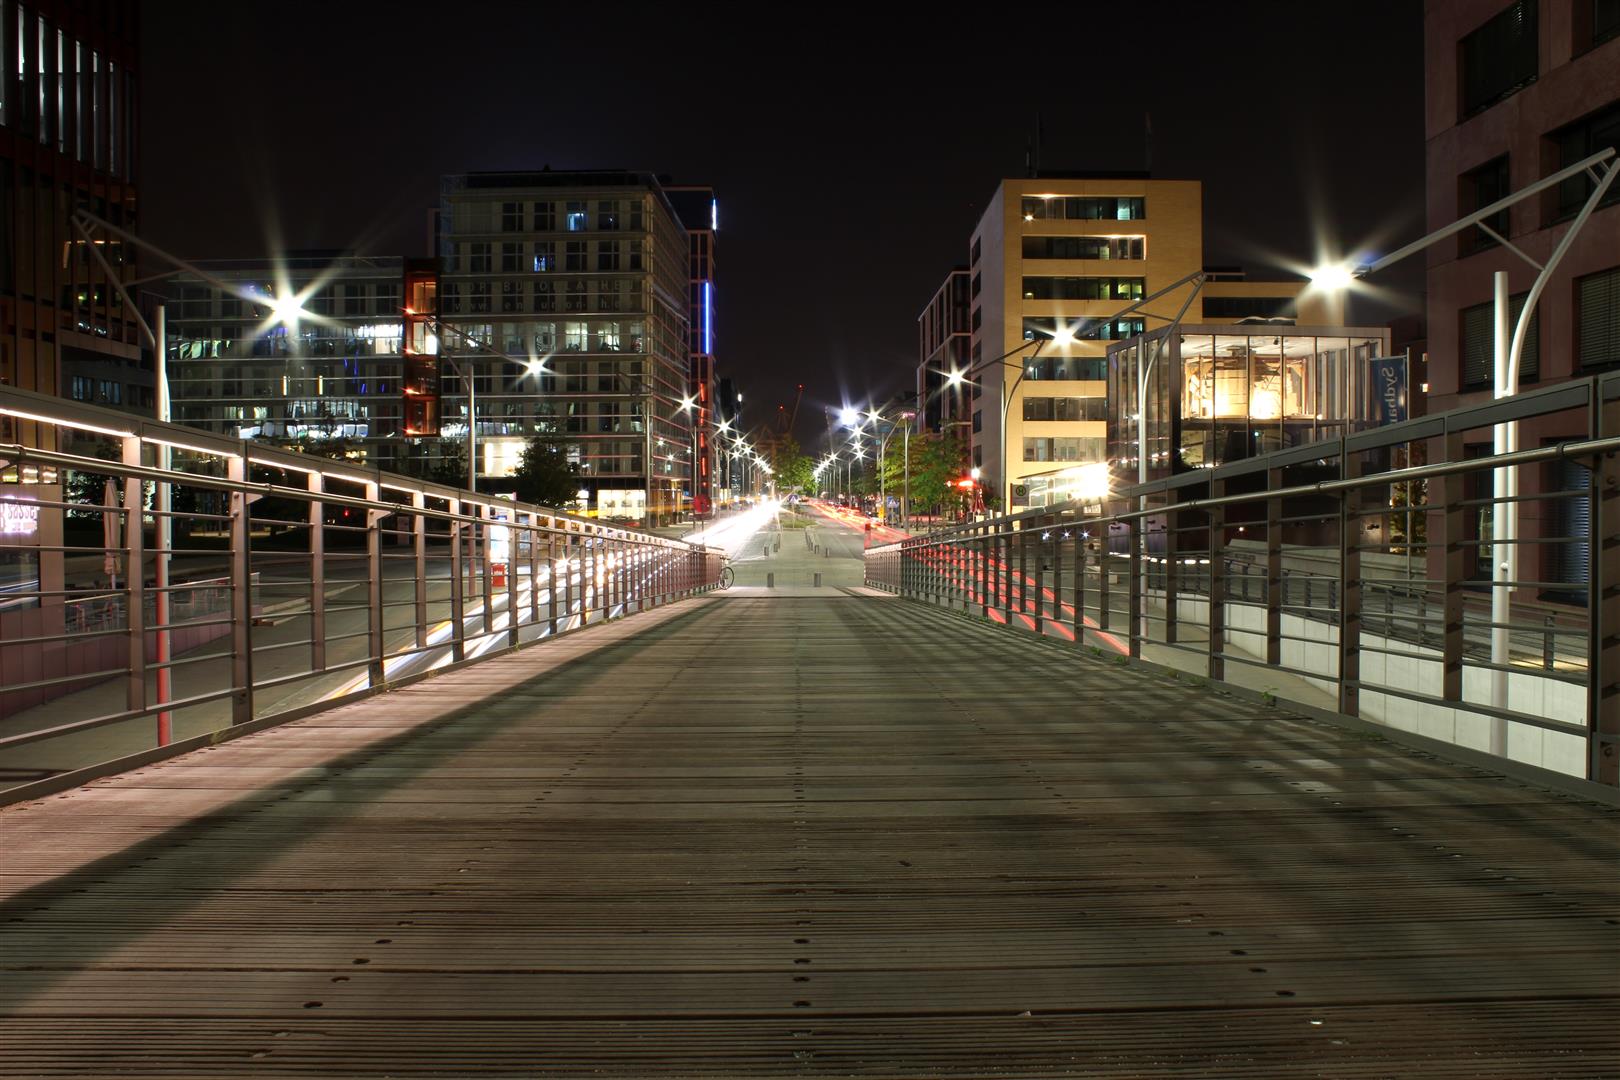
x: 61, y: 730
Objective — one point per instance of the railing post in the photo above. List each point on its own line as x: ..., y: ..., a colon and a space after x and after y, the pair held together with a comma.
x: 514, y: 610
x: 567, y: 572
x: 1004, y: 563
x: 1057, y: 577
x: 1104, y: 601
x: 315, y: 484
x: 419, y: 562
x: 1216, y: 665
x: 553, y: 597
x: 241, y: 596
x: 586, y: 584
x: 375, y: 647
x: 486, y: 567
x: 1023, y: 573
x: 534, y: 534
x: 1274, y: 568
x: 981, y: 571
x: 1349, y: 585
x: 458, y: 596
x: 1172, y: 566
x: 1137, y: 533
x: 1079, y: 586
x: 135, y: 575
x: 1457, y: 552
x: 1603, y: 601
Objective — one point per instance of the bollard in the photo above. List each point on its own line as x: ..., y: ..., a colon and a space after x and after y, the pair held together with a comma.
x: 818, y: 581
x: 770, y: 580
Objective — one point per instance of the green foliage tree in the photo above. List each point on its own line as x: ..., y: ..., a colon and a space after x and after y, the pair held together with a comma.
x: 545, y: 475
x: 790, y: 468
x: 937, y: 461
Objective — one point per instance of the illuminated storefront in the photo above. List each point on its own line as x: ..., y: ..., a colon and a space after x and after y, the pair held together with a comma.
x: 1220, y: 393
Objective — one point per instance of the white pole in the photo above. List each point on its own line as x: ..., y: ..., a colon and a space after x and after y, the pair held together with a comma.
x: 1503, y: 522
x: 472, y: 428
x: 165, y: 529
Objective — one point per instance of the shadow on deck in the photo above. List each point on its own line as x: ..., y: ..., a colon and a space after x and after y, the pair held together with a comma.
x: 833, y: 835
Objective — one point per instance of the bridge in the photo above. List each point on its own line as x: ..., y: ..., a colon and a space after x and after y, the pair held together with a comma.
x: 953, y: 804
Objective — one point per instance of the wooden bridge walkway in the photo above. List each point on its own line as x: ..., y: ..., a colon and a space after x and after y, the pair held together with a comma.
x: 801, y: 836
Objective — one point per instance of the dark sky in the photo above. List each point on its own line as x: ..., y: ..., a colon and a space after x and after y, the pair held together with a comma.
x: 852, y: 151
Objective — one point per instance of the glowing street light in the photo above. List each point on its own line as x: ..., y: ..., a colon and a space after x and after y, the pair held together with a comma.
x: 1332, y: 277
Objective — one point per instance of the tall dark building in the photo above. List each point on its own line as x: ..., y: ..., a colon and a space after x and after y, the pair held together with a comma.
x: 699, y: 211
x: 68, y: 140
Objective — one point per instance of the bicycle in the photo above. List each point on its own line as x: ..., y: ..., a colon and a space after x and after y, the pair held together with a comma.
x: 728, y: 576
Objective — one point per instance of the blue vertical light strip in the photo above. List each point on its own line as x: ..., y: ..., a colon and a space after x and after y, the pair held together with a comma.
x: 708, y: 318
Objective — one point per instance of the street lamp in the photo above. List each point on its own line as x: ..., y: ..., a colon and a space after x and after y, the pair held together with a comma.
x: 532, y: 365
x: 903, y: 424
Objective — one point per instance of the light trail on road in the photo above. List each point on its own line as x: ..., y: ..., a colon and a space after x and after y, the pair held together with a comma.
x: 733, y: 534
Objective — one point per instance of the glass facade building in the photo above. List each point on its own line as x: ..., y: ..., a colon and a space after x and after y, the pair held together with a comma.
x: 334, y: 374
x: 589, y: 273
x: 1221, y: 393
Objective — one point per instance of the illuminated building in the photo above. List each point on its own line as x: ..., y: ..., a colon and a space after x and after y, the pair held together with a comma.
x: 1052, y: 258
x: 699, y: 211
x: 335, y: 376
x: 1218, y: 393
x: 587, y: 271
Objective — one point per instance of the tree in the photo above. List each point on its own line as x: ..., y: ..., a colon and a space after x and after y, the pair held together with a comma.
x: 545, y: 475
x: 791, y: 470
x: 937, y: 461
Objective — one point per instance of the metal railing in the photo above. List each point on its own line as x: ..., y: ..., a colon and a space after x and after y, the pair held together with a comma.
x: 255, y: 583
x: 1351, y: 576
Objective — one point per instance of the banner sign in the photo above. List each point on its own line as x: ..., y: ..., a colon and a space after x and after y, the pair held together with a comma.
x: 1388, y: 389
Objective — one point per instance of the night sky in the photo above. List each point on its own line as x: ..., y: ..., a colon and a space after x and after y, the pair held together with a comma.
x: 852, y: 152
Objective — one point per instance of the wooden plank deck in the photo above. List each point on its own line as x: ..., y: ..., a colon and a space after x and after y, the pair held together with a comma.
x: 808, y: 836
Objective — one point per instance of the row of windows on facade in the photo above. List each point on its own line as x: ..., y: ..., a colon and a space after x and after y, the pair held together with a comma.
x: 572, y: 215
x: 1481, y: 186
x: 1080, y: 449
x: 1110, y: 330
x: 1596, y: 322
x: 1085, y: 208
x: 65, y: 94
x: 1501, y: 57
x: 110, y: 392
x: 1066, y: 408
x: 1085, y: 247
x: 597, y: 294
x: 540, y: 256
x: 191, y: 342
x: 350, y: 300
x: 1084, y: 288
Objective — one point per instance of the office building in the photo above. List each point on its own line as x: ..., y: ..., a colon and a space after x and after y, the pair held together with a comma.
x: 1053, y: 260
x: 1515, y: 91
x: 69, y: 117
x: 589, y: 272
x: 308, y: 350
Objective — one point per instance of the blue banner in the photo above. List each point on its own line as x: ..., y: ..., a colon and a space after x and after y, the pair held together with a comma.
x: 1388, y: 390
